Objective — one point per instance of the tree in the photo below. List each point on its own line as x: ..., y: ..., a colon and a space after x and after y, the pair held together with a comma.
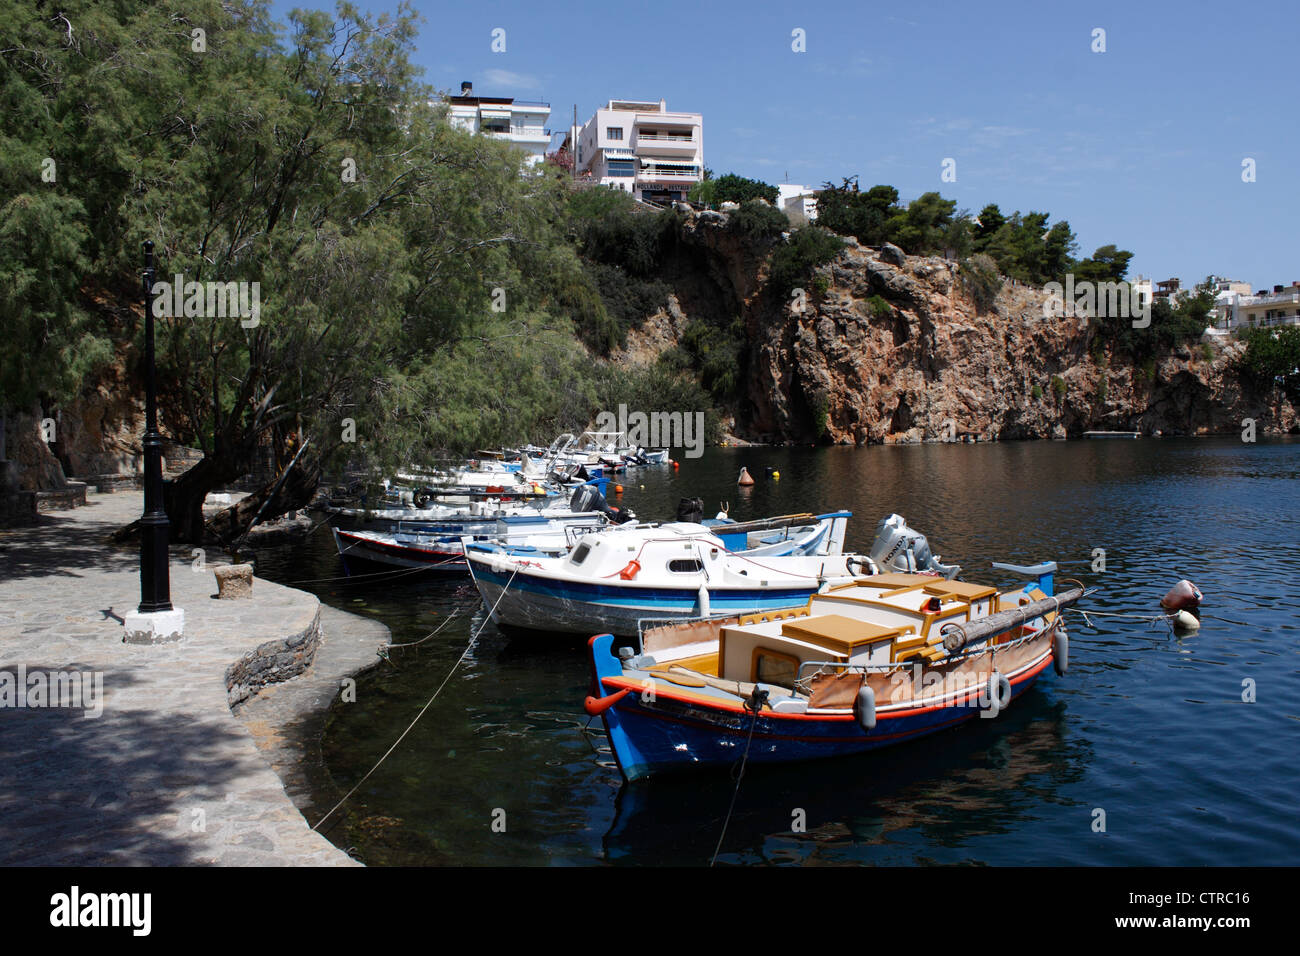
x: 990, y: 220
x: 1107, y: 264
x: 738, y: 189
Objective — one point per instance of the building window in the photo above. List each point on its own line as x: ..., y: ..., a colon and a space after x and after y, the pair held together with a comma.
x: 620, y: 167
x: 614, y: 132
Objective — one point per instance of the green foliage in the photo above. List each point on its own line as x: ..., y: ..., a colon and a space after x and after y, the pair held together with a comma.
x: 757, y: 220
x: 1037, y: 391
x: 626, y: 299
x: 981, y: 280
x: 1107, y: 264
x: 1101, y: 390
x: 1058, y: 386
x: 922, y: 227
x: 658, y: 387
x: 805, y: 250
x: 718, y: 354
x: 1272, y: 358
x: 1169, y: 327
x: 844, y: 210
x: 616, y: 235
x: 880, y: 309
x: 738, y: 189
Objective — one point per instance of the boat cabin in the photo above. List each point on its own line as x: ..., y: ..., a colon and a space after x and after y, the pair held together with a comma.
x: 880, y: 620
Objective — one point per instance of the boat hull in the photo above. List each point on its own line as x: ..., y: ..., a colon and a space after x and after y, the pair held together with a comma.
x: 667, y: 731
x: 520, y: 599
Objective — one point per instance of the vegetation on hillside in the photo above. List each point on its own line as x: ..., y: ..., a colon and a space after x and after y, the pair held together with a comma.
x: 416, y: 285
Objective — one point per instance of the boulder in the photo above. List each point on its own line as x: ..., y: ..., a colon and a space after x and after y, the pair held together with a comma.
x: 893, y: 255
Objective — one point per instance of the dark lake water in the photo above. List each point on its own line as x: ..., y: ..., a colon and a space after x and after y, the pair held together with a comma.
x: 1147, y: 727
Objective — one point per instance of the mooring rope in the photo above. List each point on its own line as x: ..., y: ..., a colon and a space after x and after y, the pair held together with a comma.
x: 468, y: 647
x: 744, y: 759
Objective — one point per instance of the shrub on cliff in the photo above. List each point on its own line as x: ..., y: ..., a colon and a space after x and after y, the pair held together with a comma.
x: 793, y: 262
x: 757, y: 221
x: 627, y: 301
x: 732, y: 188
x: 981, y: 280
x: 1273, y: 358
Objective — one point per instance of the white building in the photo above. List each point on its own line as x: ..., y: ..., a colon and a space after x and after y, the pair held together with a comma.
x: 1235, y: 310
x: 518, y: 121
x: 641, y: 147
x: 799, y: 203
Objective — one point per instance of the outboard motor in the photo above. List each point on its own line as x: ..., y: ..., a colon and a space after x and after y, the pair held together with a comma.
x: 587, y: 498
x: 898, y: 548
x: 691, y: 509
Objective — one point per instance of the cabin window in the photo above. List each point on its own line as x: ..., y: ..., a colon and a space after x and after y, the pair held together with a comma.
x: 685, y: 566
x: 773, y: 668
x: 580, y: 553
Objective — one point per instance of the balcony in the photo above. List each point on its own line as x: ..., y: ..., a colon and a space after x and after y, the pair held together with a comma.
x: 665, y: 144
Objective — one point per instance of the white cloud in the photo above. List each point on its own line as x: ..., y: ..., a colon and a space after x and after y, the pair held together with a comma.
x: 504, y: 80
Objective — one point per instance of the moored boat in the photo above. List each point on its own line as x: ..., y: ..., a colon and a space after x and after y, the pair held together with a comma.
x: 879, y: 661
x: 615, y: 579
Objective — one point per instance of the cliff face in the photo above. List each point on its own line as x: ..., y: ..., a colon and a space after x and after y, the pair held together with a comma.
x: 894, y: 350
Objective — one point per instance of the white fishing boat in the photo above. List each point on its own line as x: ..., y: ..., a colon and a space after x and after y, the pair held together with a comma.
x: 616, y: 580
x: 443, y: 549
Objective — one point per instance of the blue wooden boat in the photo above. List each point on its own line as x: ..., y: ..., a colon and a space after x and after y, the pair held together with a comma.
x: 880, y: 661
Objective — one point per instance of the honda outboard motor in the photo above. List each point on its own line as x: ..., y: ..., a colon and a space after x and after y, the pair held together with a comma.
x: 691, y: 509
x: 898, y: 548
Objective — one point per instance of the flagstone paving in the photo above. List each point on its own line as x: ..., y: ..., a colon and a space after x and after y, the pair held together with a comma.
x: 166, y: 774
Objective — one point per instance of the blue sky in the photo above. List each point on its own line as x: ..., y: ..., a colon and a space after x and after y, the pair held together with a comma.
x: 1141, y: 145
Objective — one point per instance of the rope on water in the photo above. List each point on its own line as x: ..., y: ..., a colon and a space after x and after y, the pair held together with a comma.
x: 756, y: 700
x: 383, y: 651
x: 468, y: 647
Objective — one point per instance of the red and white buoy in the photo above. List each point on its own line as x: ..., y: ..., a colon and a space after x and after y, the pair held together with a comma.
x: 745, y: 478
x: 1181, y: 596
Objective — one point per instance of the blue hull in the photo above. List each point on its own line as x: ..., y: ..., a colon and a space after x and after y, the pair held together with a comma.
x: 670, y: 735
x: 578, y: 607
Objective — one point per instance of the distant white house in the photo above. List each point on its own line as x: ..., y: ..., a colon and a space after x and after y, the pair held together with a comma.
x: 799, y: 203
x: 1264, y: 309
x: 520, y: 122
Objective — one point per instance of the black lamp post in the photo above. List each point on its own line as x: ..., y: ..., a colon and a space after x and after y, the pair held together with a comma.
x: 155, y: 580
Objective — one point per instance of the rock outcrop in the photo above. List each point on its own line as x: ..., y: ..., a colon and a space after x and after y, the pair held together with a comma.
x: 893, y: 349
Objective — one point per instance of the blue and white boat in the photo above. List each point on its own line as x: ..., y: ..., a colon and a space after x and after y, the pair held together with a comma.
x: 614, y: 580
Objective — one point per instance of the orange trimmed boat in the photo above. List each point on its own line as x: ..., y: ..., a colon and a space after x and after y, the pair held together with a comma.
x: 878, y: 661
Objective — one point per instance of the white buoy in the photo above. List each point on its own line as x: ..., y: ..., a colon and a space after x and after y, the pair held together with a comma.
x: 1186, y: 621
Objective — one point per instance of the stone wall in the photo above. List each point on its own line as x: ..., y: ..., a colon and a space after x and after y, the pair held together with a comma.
x: 274, y: 661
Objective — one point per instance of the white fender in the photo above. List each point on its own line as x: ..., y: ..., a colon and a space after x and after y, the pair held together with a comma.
x: 997, y: 693
x: 864, y: 708
x: 1061, y: 652
x: 704, y: 600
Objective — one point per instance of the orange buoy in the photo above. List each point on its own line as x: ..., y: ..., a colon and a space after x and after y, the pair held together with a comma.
x: 629, y: 572
x: 744, y: 478
x: 674, y: 464
x: 618, y: 489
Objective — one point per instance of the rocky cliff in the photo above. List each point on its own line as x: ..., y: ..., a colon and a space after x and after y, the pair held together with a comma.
x: 891, y: 348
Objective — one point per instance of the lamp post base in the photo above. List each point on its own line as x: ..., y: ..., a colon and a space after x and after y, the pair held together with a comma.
x: 154, y: 627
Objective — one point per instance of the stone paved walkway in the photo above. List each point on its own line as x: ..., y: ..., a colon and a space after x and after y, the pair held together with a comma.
x: 166, y: 775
